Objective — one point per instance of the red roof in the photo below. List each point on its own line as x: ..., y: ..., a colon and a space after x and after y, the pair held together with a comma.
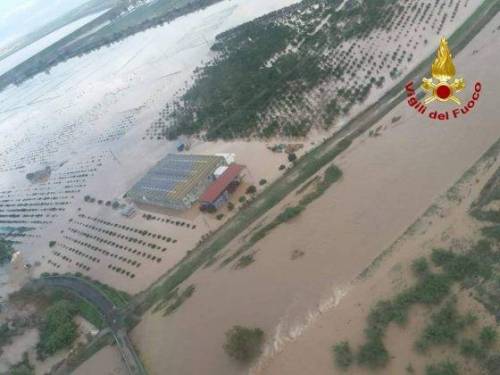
x: 220, y: 185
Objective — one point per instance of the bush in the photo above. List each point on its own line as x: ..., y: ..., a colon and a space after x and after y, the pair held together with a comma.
x: 251, y: 189
x: 289, y: 213
x: 343, y: 355
x: 420, y: 267
x: 281, y: 167
x: 488, y: 336
x: 242, y: 199
x: 244, y: 344
x: 373, y: 354
x: 441, y: 256
x: 219, y: 216
x: 263, y: 181
x: 292, y: 157
x: 431, y: 290
x: 230, y: 206
x: 443, y: 368
x: 211, y: 209
x: 492, y: 232
x: 245, y: 261
x: 471, y: 349
x: 52, y: 243
x: 444, y: 327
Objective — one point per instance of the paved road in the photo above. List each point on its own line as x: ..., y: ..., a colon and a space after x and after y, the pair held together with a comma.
x: 111, y: 314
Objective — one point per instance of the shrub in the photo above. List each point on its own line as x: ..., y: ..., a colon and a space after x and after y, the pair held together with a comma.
x: 242, y: 199
x: 52, y: 243
x: 115, y: 205
x: 230, y: 206
x: 492, y: 232
x: 443, y: 368
x: 431, y: 290
x: 373, y: 354
x: 245, y: 261
x: 420, y: 267
x: 289, y: 213
x: 488, y: 336
x: 251, y: 189
x: 211, y: 209
x: 281, y: 167
x: 292, y: 157
x: 219, y: 216
x: 343, y: 355
x: 471, y: 349
x: 244, y: 344
x: 444, y: 327
x: 263, y: 181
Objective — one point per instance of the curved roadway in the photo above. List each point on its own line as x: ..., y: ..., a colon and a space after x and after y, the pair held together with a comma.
x: 109, y: 311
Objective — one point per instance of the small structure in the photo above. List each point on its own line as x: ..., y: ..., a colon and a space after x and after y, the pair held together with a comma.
x: 218, y: 192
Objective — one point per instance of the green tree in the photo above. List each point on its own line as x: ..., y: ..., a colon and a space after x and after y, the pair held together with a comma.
x: 244, y: 344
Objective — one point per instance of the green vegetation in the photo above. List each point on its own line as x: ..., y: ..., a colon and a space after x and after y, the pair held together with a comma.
x: 188, y: 292
x: 420, y: 267
x: 22, y: 368
x: 343, y: 355
x: 444, y: 327
x: 245, y: 261
x: 231, y: 94
x: 89, y: 312
x: 6, y: 251
x: 488, y: 336
x: 373, y: 354
x: 57, y: 330
x: 6, y: 334
x: 471, y: 349
x: 174, y: 300
x: 442, y: 368
x: 244, y: 344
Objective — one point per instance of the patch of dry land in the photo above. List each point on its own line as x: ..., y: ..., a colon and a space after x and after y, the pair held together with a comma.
x: 303, y: 288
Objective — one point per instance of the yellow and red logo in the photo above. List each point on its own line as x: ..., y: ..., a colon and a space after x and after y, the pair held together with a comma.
x: 443, y: 87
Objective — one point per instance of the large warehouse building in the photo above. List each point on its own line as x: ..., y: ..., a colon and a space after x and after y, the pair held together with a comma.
x: 176, y: 181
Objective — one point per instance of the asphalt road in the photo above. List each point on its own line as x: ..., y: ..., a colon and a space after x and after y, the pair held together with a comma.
x: 112, y: 316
